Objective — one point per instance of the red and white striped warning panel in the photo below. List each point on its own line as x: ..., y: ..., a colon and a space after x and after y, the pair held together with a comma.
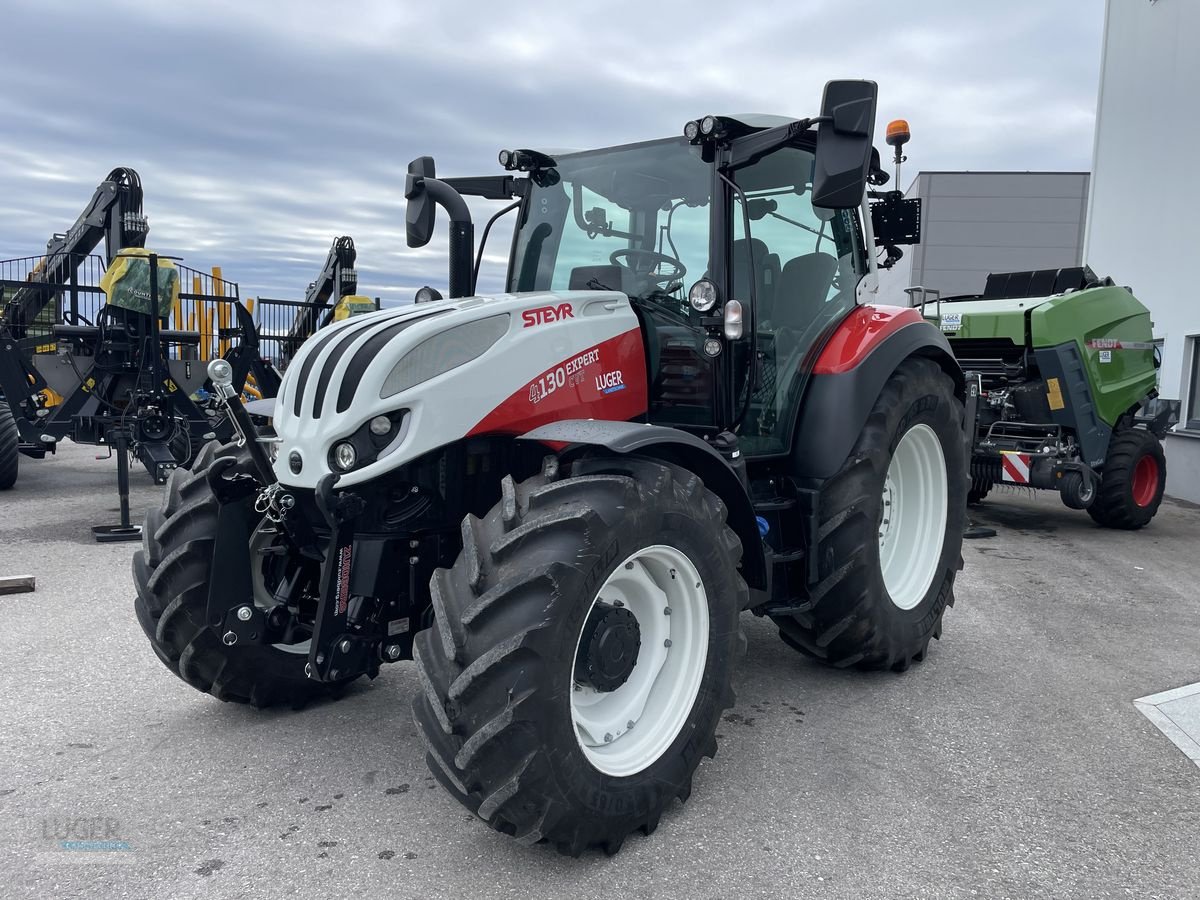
x: 1015, y: 466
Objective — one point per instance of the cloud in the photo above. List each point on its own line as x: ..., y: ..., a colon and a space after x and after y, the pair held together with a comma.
x: 264, y: 130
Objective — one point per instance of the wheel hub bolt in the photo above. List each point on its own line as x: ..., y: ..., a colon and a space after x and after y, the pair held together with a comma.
x: 629, y: 725
x: 667, y: 642
x: 607, y: 738
x: 666, y: 610
x: 629, y: 565
x: 244, y: 614
x: 345, y: 646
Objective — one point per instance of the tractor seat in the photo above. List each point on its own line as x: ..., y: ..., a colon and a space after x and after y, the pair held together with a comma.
x: 803, y: 289
x: 766, y: 274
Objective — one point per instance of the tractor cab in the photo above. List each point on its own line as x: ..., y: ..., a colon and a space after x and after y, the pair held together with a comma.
x: 724, y: 269
x: 740, y: 245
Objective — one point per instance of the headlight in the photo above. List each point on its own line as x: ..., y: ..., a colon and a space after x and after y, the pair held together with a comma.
x: 345, y: 456
x: 703, y: 295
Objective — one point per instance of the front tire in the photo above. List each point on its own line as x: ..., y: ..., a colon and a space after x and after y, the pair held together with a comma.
x: 891, y: 527
x: 511, y: 708
x: 1133, y: 481
x: 171, y: 573
x: 10, y: 454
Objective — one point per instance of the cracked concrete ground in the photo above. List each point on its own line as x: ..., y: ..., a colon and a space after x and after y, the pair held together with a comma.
x: 1011, y: 763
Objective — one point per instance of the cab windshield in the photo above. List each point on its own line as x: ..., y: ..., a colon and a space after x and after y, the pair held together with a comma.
x: 633, y: 219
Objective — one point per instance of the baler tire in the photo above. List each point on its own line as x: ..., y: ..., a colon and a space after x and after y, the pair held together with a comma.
x: 171, y: 573
x: 10, y: 454
x: 497, y: 709
x: 849, y: 618
x: 1116, y: 504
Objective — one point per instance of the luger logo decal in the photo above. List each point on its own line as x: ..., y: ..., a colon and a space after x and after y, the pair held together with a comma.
x: 610, y: 382
x: 543, y: 314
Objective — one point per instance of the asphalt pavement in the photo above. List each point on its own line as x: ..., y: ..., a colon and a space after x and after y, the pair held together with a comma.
x: 1011, y: 763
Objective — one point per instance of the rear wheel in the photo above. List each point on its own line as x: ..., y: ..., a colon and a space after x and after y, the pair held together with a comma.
x: 1133, y: 481
x: 171, y: 573
x: 582, y: 652
x: 891, y: 526
x: 10, y: 455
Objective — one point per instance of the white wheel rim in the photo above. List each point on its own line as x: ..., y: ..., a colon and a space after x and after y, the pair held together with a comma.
x: 622, y: 732
x: 912, y: 527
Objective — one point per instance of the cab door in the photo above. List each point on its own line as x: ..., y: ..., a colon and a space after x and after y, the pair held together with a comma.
x: 803, y: 264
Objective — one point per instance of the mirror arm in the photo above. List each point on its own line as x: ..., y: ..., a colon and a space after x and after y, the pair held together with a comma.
x: 483, y: 240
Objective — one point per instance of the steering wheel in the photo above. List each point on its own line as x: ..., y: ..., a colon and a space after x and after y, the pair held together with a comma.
x: 645, y: 264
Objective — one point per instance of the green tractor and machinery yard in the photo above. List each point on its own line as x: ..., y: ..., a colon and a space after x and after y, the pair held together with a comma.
x: 1065, y: 366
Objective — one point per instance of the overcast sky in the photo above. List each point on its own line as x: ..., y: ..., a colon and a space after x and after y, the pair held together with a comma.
x: 264, y: 129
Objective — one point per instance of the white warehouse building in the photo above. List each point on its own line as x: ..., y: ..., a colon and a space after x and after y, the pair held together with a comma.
x: 1142, y: 218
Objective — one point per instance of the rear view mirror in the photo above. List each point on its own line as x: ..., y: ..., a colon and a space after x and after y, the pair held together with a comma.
x: 420, y: 213
x: 844, y: 144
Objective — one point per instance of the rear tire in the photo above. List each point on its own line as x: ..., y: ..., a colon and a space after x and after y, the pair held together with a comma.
x: 1133, y: 481
x: 500, y: 713
x: 850, y: 618
x: 171, y: 573
x: 10, y: 455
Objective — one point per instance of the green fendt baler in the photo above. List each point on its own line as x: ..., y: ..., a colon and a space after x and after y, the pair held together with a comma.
x: 1066, y: 364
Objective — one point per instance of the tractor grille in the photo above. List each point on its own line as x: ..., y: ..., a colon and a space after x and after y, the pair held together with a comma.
x: 316, y: 372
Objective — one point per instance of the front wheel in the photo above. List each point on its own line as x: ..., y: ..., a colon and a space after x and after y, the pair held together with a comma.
x: 582, y: 652
x: 891, y: 525
x: 172, y: 571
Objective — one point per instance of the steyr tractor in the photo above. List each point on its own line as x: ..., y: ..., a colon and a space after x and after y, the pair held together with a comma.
x: 559, y: 500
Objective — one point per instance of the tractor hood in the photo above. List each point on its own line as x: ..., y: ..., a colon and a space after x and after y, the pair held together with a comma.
x: 401, y: 382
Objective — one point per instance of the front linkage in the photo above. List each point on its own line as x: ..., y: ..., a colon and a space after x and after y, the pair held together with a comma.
x: 353, y: 629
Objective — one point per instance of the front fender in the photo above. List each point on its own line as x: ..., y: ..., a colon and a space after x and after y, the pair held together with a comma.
x: 678, y: 447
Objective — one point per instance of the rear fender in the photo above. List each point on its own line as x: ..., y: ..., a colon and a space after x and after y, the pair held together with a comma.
x: 673, y: 446
x: 849, y: 376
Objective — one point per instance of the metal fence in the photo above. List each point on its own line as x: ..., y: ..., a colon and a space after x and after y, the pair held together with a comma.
x: 31, y: 306
x: 283, y: 325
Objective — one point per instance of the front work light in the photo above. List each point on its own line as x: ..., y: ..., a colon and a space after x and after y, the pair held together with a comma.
x: 703, y: 295
x: 708, y: 125
x: 345, y: 456
x: 733, y: 320
x: 691, y: 130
